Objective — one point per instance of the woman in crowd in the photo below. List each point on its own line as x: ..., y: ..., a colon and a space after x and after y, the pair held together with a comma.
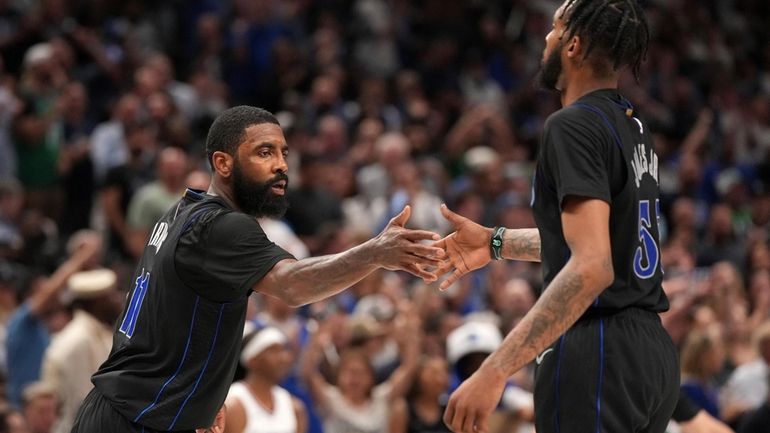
x: 354, y: 403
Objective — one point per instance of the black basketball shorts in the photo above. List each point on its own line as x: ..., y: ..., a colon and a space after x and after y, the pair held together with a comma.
x: 616, y: 373
x: 96, y: 415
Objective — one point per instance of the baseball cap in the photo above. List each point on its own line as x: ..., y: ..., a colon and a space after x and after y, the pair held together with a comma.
x: 472, y: 337
x: 480, y: 158
x: 38, y: 53
x: 90, y: 284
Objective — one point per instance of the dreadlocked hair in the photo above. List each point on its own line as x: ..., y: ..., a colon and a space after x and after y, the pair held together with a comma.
x: 616, y: 28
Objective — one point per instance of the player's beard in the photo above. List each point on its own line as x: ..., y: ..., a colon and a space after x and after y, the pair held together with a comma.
x: 550, y: 69
x: 257, y: 198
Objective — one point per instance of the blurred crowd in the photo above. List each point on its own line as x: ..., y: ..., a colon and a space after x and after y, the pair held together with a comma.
x: 104, y: 110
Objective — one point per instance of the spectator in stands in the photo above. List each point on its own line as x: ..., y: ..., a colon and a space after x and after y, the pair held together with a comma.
x: 74, y: 165
x: 702, y: 358
x: 30, y: 327
x: 720, y: 242
x: 123, y: 181
x: 746, y: 388
x: 426, y: 401
x: 757, y: 420
x: 78, y: 350
x: 373, y: 88
x: 355, y: 403
x: 153, y: 200
x: 40, y: 406
x: 313, y: 212
x: 467, y: 347
x: 257, y: 404
x: 109, y: 144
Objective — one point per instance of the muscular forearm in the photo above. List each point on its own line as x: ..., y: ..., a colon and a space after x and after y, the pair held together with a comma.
x: 561, y: 304
x: 521, y: 244
x: 315, y: 278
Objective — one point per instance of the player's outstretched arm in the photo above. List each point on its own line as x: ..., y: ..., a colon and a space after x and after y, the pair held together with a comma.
x: 299, y: 282
x: 467, y: 248
x: 587, y: 273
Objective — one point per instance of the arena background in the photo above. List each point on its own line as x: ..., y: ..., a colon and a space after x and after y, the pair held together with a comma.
x: 105, y: 105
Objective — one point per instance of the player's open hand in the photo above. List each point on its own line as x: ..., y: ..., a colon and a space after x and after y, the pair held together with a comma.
x: 474, y: 401
x: 399, y: 248
x: 467, y: 248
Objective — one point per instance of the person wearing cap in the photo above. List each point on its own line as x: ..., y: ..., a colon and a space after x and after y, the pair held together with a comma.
x: 37, y: 143
x: 42, y: 314
x: 177, y: 343
x: 467, y: 348
x: 78, y: 350
x: 257, y: 404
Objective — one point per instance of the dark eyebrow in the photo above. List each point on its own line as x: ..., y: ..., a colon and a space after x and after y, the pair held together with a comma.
x: 269, y: 145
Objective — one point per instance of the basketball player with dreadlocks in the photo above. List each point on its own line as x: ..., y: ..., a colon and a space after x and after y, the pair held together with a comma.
x: 604, y: 361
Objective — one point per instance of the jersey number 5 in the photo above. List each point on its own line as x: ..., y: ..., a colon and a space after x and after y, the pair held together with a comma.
x: 647, y: 255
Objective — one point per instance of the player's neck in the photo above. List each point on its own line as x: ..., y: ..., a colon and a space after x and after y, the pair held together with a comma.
x: 583, y: 82
x: 215, y: 188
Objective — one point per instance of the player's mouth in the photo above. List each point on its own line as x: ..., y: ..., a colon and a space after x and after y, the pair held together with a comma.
x: 279, y: 187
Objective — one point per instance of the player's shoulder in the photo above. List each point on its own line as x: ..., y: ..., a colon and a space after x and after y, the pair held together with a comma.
x: 569, y: 117
x: 200, y: 218
x: 574, y: 114
x: 227, y: 222
x: 212, y: 210
x: 582, y: 121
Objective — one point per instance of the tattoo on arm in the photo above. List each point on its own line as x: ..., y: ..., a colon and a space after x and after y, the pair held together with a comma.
x: 320, y: 277
x: 561, y: 304
x: 521, y: 244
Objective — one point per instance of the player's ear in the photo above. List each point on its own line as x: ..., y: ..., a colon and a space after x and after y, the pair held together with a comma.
x: 223, y: 163
x: 574, y: 47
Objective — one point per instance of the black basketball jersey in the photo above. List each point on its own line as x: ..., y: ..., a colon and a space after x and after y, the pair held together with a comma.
x: 598, y: 147
x: 175, y: 346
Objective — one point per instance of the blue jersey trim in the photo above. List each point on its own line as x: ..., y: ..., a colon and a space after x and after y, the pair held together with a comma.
x: 605, y: 119
x: 601, y: 378
x: 558, y: 375
x: 192, y: 219
x: 203, y: 370
x: 178, y: 369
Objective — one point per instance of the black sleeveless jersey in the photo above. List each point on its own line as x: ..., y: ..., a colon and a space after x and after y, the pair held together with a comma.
x: 175, y: 346
x: 598, y: 147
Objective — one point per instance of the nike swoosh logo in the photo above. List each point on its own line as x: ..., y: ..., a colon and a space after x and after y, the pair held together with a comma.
x: 539, y: 358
